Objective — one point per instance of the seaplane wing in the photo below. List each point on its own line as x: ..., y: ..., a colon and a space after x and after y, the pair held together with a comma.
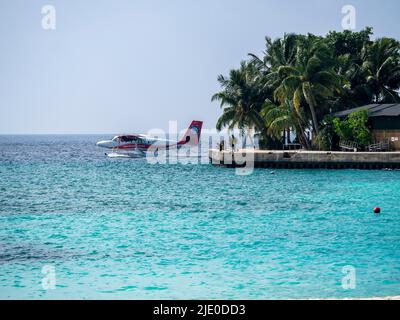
x: 140, y: 143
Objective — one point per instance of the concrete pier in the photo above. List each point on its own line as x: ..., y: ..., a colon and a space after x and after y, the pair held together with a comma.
x: 301, y: 159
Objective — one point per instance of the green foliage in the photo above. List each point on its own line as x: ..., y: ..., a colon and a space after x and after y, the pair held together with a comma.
x: 381, y: 68
x: 349, y: 42
x: 311, y: 80
x: 327, y: 137
x: 300, y: 79
x: 281, y: 117
x: 354, y: 128
x: 241, y: 99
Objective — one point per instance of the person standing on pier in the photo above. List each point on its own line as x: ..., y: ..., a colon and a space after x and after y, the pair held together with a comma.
x: 222, y: 145
x: 233, y: 142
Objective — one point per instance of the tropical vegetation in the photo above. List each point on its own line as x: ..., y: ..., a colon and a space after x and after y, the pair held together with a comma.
x: 354, y: 128
x: 299, y: 81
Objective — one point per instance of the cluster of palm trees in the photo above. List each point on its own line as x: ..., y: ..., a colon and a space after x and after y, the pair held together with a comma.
x: 300, y: 79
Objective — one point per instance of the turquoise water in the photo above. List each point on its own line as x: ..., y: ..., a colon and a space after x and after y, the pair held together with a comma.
x: 125, y: 229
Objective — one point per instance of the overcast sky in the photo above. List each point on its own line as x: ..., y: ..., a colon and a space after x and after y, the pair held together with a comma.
x: 119, y: 66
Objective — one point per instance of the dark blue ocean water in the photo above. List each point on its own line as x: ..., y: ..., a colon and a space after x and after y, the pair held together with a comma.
x: 126, y: 229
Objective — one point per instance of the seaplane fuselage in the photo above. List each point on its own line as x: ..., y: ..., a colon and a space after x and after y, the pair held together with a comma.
x: 141, y: 142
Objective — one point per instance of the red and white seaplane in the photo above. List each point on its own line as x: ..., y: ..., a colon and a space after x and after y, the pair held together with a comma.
x: 137, y: 145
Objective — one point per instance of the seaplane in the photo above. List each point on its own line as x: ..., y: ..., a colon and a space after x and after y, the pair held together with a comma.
x: 137, y: 145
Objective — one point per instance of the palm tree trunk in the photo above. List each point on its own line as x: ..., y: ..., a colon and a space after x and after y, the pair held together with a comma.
x: 284, y: 137
x: 250, y: 135
x: 304, y: 141
x: 302, y: 137
x: 314, y: 117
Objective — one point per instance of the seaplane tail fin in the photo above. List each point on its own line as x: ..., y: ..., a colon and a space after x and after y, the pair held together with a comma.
x: 192, y: 135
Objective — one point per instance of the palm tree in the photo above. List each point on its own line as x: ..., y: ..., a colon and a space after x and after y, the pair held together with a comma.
x: 382, y: 69
x: 308, y: 77
x: 354, y: 92
x: 311, y: 80
x: 279, y: 52
x: 279, y: 118
x: 241, y: 99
